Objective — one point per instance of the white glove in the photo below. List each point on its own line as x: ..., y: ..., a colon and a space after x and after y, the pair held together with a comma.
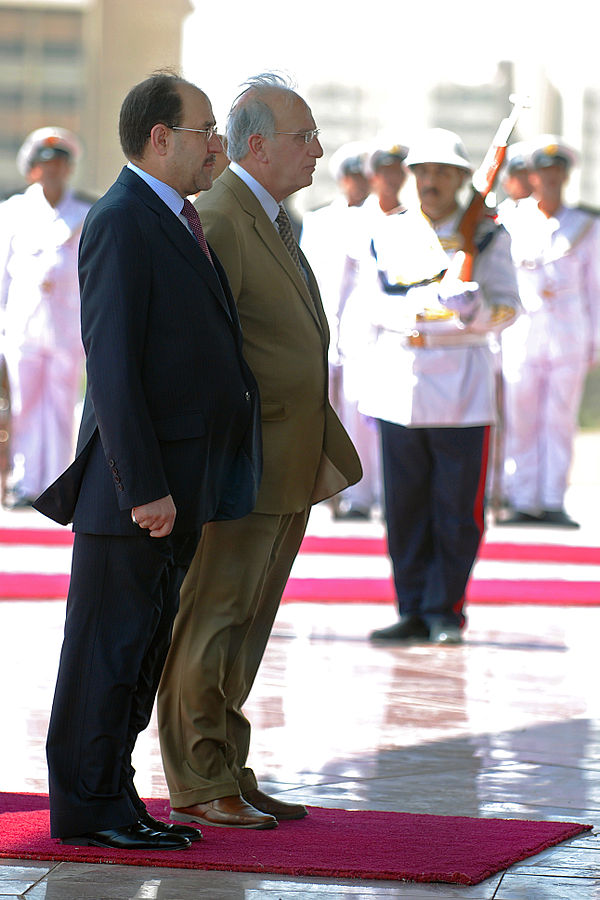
x: 464, y: 297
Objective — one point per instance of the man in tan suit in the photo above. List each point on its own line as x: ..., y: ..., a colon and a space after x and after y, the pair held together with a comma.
x: 232, y: 592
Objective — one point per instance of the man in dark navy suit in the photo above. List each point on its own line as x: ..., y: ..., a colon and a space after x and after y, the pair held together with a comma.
x: 169, y: 440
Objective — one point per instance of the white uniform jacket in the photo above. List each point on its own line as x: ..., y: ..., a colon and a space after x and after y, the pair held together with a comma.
x: 558, y: 271
x: 39, y: 291
x: 450, y: 380
x: 327, y: 233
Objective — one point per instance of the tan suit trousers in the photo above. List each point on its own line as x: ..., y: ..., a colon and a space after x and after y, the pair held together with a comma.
x: 229, y: 601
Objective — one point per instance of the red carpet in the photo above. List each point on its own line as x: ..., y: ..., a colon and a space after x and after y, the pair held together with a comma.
x: 365, y: 546
x: 500, y: 591
x: 498, y: 550
x: 546, y: 590
x: 329, y: 843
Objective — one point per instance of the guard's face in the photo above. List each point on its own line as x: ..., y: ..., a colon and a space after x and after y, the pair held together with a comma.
x: 391, y: 177
x: 437, y: 187
x: 518, y: 185
x: 549, y: 181
x: 53, y: 174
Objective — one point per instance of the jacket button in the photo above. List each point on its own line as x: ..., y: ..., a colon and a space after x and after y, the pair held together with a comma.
x: 120, y: 486
x: 247, y: 395
x: 111, y: 463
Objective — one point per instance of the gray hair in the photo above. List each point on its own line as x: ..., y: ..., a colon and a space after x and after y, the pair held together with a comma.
x: 251, y: 114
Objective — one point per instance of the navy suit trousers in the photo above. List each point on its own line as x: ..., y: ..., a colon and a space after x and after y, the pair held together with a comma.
x: 434, y: 485
x: 122, y: 601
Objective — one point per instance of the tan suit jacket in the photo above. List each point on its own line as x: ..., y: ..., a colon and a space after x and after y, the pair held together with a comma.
x: 307, y: 454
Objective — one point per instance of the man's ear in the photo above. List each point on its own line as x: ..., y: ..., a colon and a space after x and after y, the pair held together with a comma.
x: 159, y: 139
x: 257, y: 147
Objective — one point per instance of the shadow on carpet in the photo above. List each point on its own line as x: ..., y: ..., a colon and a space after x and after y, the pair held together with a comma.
x: 329, y: 843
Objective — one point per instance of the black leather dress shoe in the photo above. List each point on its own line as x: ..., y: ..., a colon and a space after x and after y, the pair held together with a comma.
x: 186, y: 831
x: 409, y: 628
x: 130, y: 837
x: 558, y: 517
x: 518, y: 517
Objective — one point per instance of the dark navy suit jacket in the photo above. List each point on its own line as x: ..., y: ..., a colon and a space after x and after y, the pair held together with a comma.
x: 171, y: 406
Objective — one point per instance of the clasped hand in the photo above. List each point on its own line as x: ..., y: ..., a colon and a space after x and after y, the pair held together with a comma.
x: 462, y: 296
x: 158, y: 516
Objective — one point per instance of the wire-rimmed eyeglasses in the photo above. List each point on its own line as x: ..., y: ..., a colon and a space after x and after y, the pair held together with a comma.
x: 209, y: 132
x: 307, y: 135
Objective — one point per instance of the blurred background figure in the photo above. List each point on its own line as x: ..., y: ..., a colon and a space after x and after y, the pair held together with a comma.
x: 39, y: 296
x: 516, y: 185
x: 327, y: 231
x: 549, y: 350
x: 327, y: 235
x: 387, y: 176
x: 515, y: 180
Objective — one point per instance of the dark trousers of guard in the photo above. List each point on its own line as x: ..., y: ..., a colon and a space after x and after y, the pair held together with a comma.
x: 122, y: 601
x: 434, y: 490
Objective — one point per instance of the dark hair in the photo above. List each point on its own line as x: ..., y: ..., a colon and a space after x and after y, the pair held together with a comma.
x: 157, y: 99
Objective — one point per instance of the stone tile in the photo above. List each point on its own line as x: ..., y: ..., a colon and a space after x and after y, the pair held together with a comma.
x: 127, y: 883
x: 506, y: 725
x: 540, y: 887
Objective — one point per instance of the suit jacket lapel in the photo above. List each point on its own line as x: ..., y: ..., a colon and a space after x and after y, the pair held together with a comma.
x: 178, y: 234
x: 269, y: 235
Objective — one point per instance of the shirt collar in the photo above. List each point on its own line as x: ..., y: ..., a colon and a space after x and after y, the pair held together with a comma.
x: 167, y: 194
x: 268, y: 203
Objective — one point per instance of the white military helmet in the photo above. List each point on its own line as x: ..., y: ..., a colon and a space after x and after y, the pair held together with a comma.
x: 438, y: 145
x: 517, y: 157
x: 549, y: 149
x: 349, y: 159
x: 383, y: 152
x: 44, y: 144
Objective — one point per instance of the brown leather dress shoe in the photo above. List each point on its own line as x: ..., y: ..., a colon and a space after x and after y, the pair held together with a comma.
x: 277, y: 808
x: 225, y: 812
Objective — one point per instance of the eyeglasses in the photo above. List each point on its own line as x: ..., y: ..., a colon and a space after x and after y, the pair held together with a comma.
x: 209, y: 132
x: 307, y: 135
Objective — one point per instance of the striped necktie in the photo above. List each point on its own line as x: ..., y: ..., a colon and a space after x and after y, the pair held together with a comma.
x: 189, y: 211
x: 287, y: 236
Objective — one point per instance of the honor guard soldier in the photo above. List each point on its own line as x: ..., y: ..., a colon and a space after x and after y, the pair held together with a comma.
x: 39, y: 295
x: 386, y: 173
x: 549, y: 350
x: 429, y: 380
x: 327, y: 236
x: 515, y: 177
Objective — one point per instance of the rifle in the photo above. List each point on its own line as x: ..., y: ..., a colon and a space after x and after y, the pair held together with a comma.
x: 483, y: 182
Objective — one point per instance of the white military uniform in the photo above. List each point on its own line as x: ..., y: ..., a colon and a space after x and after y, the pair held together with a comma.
x: 39, y: 295
x: 327, y: 235
x: 548, y: 351
x: 429, y: 379
x: 450, y: 381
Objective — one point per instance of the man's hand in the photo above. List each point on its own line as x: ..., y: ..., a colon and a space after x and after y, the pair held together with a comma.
x: 461, y: 296
x: 158, y: 516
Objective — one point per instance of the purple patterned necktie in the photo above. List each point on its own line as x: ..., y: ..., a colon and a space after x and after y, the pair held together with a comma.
x: 193, y: 218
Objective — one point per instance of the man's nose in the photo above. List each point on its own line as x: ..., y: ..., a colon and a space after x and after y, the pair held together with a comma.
x: 316, y: 149
x: 215, y: 144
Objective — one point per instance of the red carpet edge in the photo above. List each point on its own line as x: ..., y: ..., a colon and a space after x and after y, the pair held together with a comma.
x: 334, y: 843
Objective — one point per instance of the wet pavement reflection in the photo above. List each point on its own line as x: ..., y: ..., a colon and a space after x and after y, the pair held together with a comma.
x: 506, y: 725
